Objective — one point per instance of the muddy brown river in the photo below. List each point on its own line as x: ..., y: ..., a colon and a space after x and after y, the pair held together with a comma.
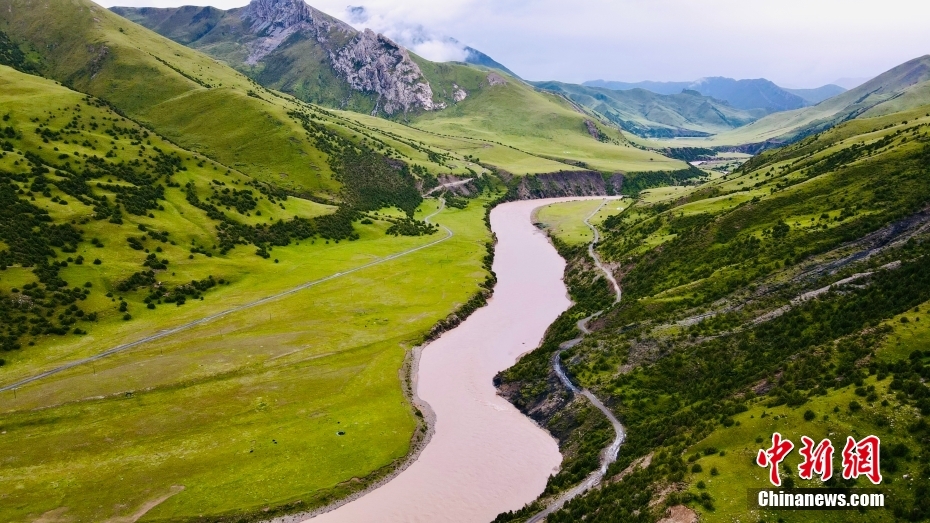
x: 485, y: 456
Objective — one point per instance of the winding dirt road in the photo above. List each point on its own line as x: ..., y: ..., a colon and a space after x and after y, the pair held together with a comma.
x: 609, y: 454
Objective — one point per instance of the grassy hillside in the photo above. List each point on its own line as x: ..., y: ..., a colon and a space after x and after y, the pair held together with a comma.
x: 184, y: 95
x: 192, y: 99
x: 789, y: 295
x: 110, y: 234
x: 541, y: 124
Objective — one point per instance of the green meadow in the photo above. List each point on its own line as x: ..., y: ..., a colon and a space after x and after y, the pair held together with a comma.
x: 565, y: 220
x: 294, y: 401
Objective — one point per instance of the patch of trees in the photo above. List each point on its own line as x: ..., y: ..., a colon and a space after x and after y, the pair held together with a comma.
x: 634, y: 183
x: 180, y: 294
x: 30, y: 240
x: 689, y: 154
x: 138, y: 279
x: 336, y: 226
x: 242, y: 200
x: 370, y: 180
x: 411, y: 227
x: 13, y: 56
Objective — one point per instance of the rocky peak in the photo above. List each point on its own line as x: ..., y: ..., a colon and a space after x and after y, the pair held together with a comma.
x: 368, y: 62
x: 374, y: 63
x: 277, y: 15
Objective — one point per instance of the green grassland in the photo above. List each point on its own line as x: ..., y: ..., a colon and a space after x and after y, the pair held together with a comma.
x: 565, y: 220
x: 542, y: 124
x: 711, y: 350
x: 243, y: 411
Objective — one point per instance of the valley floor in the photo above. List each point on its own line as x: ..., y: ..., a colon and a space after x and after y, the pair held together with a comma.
x: 287, y: 403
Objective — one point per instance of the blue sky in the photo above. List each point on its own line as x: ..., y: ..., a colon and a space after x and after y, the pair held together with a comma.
x: 796, y: 43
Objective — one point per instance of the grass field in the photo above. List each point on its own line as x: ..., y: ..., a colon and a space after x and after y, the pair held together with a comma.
x: 543, y: 125
x: 244, y: 412
x: 565, y: 220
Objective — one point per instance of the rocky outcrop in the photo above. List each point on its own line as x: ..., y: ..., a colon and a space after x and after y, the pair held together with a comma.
x: 367, y: 62
x: 274, y: 21
x: 568, y: 183
x: 458, y: 94
x: 373, y: 63
x: 496, y: 79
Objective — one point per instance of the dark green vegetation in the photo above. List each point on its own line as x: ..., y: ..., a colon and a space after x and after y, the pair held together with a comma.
x: 788, y: 296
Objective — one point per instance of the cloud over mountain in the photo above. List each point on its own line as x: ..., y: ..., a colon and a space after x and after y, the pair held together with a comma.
x: 428, y: 44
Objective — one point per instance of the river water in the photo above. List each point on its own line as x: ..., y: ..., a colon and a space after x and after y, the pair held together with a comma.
x: 485, y: 456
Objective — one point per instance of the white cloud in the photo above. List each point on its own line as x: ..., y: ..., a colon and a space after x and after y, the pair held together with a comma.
x: 428, y: 44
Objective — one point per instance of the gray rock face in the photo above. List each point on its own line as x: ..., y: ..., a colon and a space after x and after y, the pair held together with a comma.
x: 373, y: 63
x: 369, y: 62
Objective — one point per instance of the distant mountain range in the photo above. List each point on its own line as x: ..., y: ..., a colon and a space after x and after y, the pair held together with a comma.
x: 819, y: 94
x: 741, y: 94
x: 649, y: 114
x: 901, y: 88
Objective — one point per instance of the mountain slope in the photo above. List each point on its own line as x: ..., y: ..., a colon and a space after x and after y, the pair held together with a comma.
x: 294, y: 57
x: 476, y: 57
x: 543, y: 124
x: 653, y: 115
x: 741, y: 94
x: 181, y: 93
x: 208, y: 107
x: 289, y: 46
